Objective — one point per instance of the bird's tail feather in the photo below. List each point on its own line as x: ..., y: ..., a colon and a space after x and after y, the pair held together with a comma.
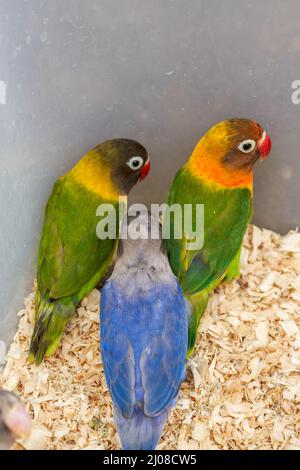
x: 51, y: 319
x: 139, y: 432
x: 198, y: 303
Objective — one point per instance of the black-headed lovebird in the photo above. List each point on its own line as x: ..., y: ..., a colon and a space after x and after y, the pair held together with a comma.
x: 72, y: 259
x: 144, y: 334
x: 218, y: 175
x: 14, y: 419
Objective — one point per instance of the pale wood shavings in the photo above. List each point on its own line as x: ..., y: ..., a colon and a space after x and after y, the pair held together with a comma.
x: 243, y: 383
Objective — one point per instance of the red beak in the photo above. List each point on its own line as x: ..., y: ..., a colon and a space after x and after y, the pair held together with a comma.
x: 264, y: 145
x: 145, y: 170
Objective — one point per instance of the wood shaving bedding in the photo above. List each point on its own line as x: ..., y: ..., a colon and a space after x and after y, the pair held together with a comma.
x: 242, y: 389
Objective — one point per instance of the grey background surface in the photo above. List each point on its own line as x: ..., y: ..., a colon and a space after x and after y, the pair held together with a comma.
x: 78, y: 72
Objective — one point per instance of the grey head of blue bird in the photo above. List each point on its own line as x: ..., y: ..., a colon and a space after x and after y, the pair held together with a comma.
x: 141, y: 260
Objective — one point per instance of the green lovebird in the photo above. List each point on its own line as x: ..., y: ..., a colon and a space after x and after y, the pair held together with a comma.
x: 219, y: 175
x: 72, y: 260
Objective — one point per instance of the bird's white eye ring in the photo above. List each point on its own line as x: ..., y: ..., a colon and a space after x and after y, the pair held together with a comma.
x: 135, y: 163
x: 247, y: 146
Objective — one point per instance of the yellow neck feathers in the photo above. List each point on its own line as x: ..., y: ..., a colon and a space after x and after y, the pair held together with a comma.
x: 91, y: 173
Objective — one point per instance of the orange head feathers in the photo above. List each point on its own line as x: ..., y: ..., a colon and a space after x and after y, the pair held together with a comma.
x: 227, y: 153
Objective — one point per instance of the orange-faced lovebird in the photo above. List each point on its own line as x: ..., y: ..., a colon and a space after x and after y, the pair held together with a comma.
x: 219, y: 175
x: 144, y: 333
x: 72, y: 259
x: 14, y: 419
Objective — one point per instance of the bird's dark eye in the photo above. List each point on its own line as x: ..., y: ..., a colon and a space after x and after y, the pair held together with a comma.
x: 247, y: 146
x: 135, y: 163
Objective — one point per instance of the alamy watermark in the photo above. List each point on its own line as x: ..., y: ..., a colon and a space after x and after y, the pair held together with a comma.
x: 176, y: 221
x: 296, y: 94
x: 2, y: 92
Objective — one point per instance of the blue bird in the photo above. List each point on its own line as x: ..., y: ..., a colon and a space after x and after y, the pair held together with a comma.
x: 144, y: 337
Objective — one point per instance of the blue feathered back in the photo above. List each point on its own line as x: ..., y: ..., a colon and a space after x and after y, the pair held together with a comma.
x: 144, y: 331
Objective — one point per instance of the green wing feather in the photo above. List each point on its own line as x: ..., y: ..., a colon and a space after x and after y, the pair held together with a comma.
x: 226, y: 215
x: 70, y: 252
x: 72, y: 260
